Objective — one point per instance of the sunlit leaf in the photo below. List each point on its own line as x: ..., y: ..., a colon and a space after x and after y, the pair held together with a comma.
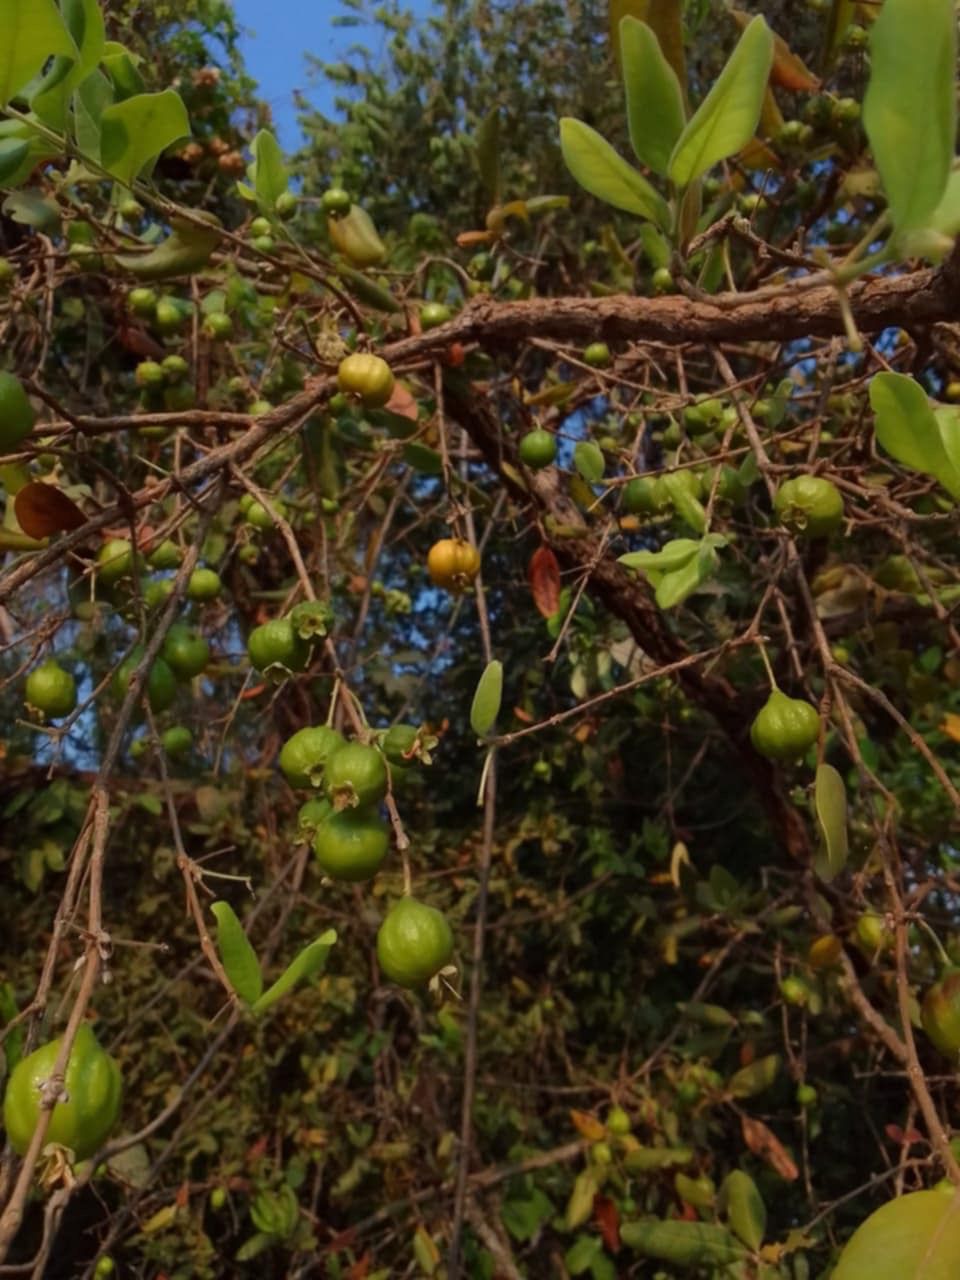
x: 909, y: 110
x: 906, y: 427
x: 914, y: 1238
x: 830, y: 804
x: 727, y: 118
x: 32, y: 31
x: 135, y: 131
x: 486, y: 699
x: 655, y: 110
x: 606, y: 175
x: 238, y: 956
x: 743, y: 1204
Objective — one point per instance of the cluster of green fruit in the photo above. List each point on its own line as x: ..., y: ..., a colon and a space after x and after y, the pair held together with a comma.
x: 117, y: 561
x: 284, y: 646
x: 351, y: 838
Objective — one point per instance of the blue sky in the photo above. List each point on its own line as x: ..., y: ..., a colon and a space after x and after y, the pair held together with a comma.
x: 281, y: 32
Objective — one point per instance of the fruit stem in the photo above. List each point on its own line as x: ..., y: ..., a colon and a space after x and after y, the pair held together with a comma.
x: 766, y: 662
x: 947, y: 962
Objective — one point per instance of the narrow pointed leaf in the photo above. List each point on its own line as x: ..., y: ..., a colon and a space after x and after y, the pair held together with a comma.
x: 238, y: 956
x: 306, y: 964
x: 267, y: 173
x: 84, y: 20
x: 606, y: 175
x: 486, y: 699
x: 745, y: 1209
x: 830, y: 804
x: 909, y: 111
x: 727, y: 118
x: 588, y: 460
x: 655, y: 110
x: 665, y: 20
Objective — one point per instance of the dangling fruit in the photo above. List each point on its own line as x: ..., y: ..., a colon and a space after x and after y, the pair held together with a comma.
x: 275, y: 647
x: 366, y: 376
x: 51, y: 690
x: 809, y: 505
x: 538, y: 449
x: 304, y: 757
x: 453, y: 564
x: 940, y: 1014
x: 185, y: 651
x: 351, y: 845
x: 176, y: 741
x: 356, y: 777
x: 785, y: 728
x: 92, y: 1089
x: 414, y: 943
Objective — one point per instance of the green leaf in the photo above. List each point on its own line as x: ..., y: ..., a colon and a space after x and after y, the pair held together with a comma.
x: 588, y: 460
x: 523, y: 1217
x: 185, y: 250
x: 84, y: 21
x: 32, y: 210
x: 90, y: 101
x: 655, y: 110
x: 422, y: 458
x: 727, y: 118
x: 33, y: 31
x: 685, y: 1243
x: 688, y: 507
x: 580, y: 1257
x: 909, y: 110
x: 306, y: 964
x: 907, y: 428
x: 368, y: 291
x: 754, y: 1078
x: 745, y: 1209
x: 267, y: 173
x: 830, y: 805
x: 135, y: 131
x: 486, y: 699
x: 599, y: 170
x: 239, y: 958
x: 642, y: 1159
x: 672, y: 555
x: 914, y: 1238
x: 13, y: 151
x: 580, y: 1205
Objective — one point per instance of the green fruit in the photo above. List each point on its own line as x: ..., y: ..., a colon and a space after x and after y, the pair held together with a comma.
x: 168, y: 317
x: 175, y: 369
x: 597, y: 355
x: 16, y: 413
x: 872, y: 933
x: 260, y: 227
x: 248, y: 553
x: 275, y: 646
x: 351, y: 846
x: 114, y: 560
x: 795, y: 991
x: 538, y: 449
x: 640, y: 497
x: 204, y: 584
x: 618, y: 1122
x: 92, y: 1086
x: 156, y: 591
x: 218, y: 325
x: 285, y: 206
x: 311, y: 815
x: 176, y: 741
x: 51, y: 690
x: 368, y: 377
x: 161, y: 684
x: 845, y: 111
x: 601, y: 1154
x: 482, y: 266
x: 217, y: 1198
x: 336, y: 202
x: 143, y: 302
x: 398, y: 742
x: 259, y: 407
x: 806, y: 1095
x: 258, y: 515
x: 304, y: 757
x: 263, y: 244
x: 662, y: 280
x: 785, y: 728
x: 7, y: 273
x: 356, y: 776
x: 185, y: 651
x: 130, y: 210
x: 414, y: 943
x: 167, y: 555
x: 809, y: 505
x: 940, y: 1014
x: 433, y: 315
x: 311, y: 618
